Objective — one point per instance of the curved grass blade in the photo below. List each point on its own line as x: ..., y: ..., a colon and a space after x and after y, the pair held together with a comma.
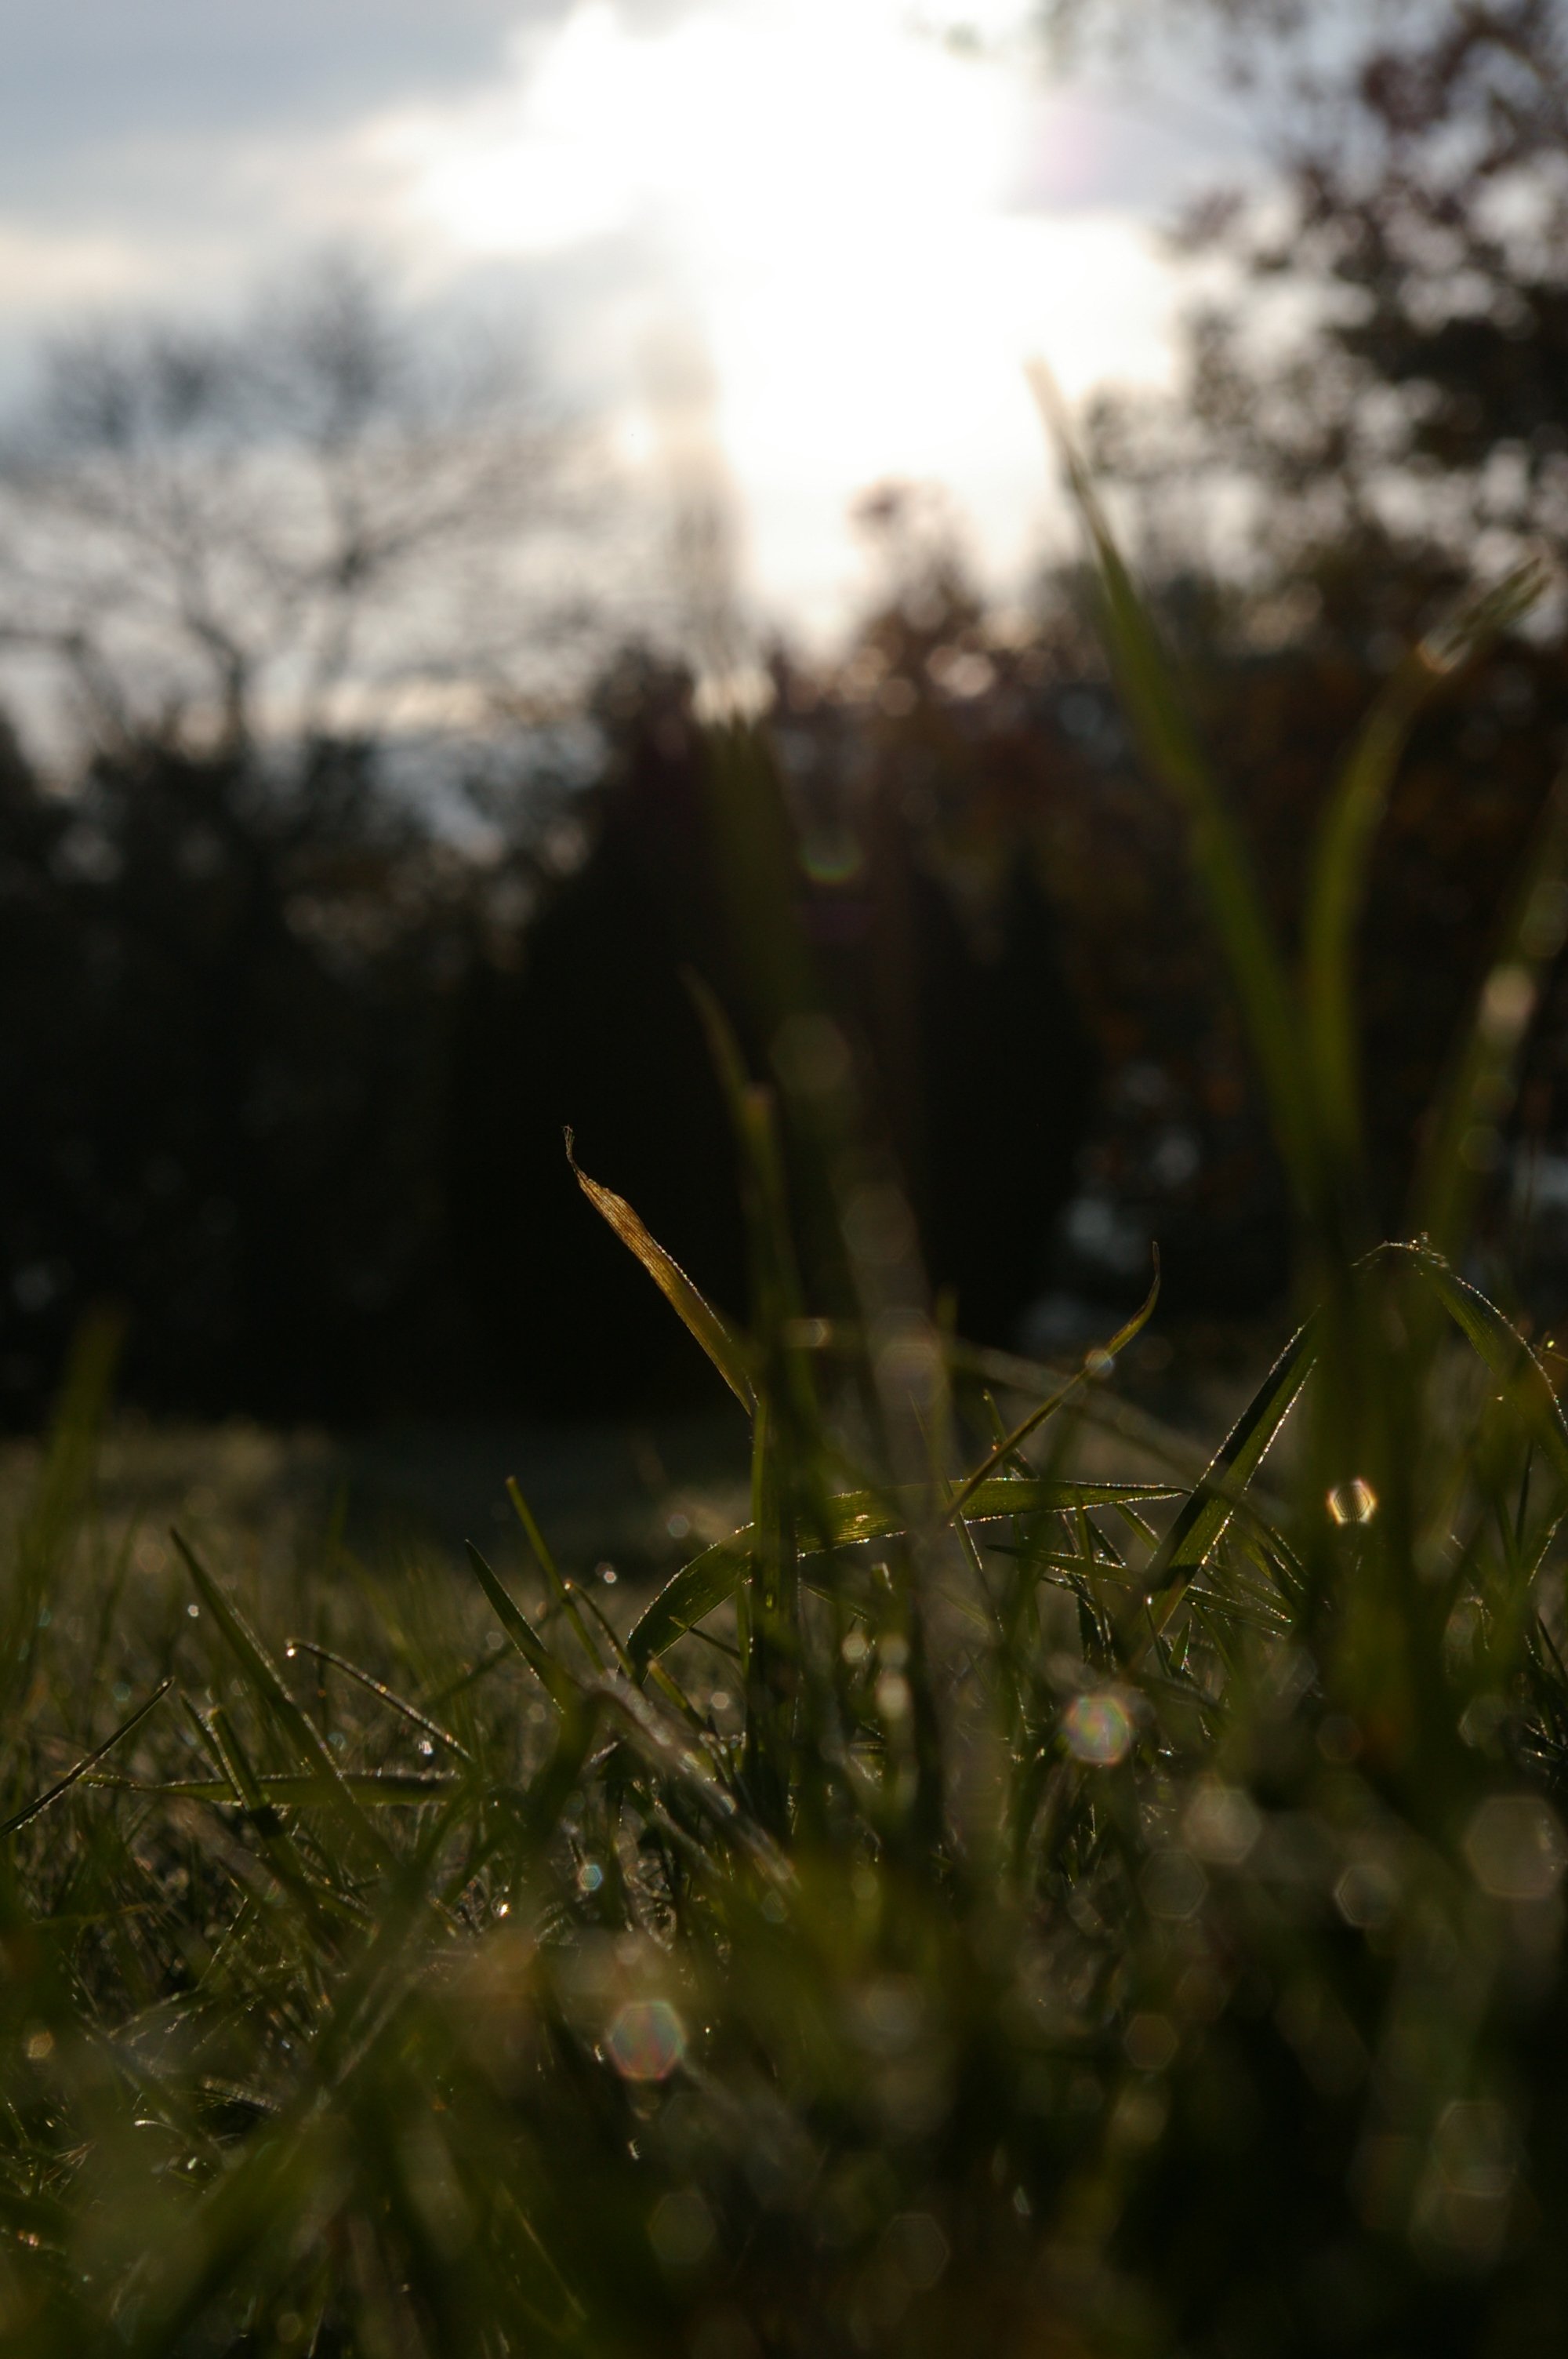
x: 268, y: 1680
x: 1342, y: 854
x: 1094, y: 1363
x: 30, y: 1810
x: 694, y: 1592
x: 1219, y: 853
x: 1503, y: 1350
x: 853, y: 1515
x: 1461, y: 1141
x: 388, y: 1696
x: 1202, y: 1522
x: 563, y: 1690
x: 717, y: 1338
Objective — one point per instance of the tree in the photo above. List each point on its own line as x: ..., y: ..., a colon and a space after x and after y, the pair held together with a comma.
x: 283, y: 530
x: 1384, y: 376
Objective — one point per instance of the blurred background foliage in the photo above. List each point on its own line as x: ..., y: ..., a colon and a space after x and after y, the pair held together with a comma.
x: 296, y: 1004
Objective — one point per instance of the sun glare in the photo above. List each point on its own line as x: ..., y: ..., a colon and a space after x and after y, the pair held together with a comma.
x: 843, y: 209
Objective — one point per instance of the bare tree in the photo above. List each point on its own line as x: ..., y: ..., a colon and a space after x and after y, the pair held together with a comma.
x: 1373, y: 380
x: 281, y: 529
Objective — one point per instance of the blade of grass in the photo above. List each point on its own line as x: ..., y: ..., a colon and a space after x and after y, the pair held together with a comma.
x: 710, y: 1579
x: 1219, y: 853
x: 722, y: 1346
x: 1502, y: 1349
x: 268, y: 1682
x: 1462, y: 1141
x: 32, y: 1809
x: 1342, y: 852
x: 559, y: 1588
x: 1202, y: 1521
x: 378, y: 1688
x: 1096, y: 1363
x: 564, y: 1691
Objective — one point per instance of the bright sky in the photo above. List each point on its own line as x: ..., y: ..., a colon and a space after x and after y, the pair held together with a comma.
x: 862, y: 232
x: 809, y: 237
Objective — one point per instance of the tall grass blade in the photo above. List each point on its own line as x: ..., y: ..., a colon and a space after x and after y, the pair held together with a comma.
x: 1342, y: 852
x: 1500, y: 1347
x: 271, y: 1687
x: 722, y: 1346
x: 1204, y: 1520
x: 1172, y: 750
x: 1463, y: 1143
x: 563, y: 1690
x: 30, y: 1810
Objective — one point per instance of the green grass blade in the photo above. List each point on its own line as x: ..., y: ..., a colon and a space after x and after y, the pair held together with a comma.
x: 1094, y: 1363
x: 372, y: 1787
x: 1170, y: 749
x: 1502, y: 1349
x: 1462, y: 1138
x: 1342, y: 854
x: 1202, y: 1521
x: 557, y: 1682
x: 854, y: 1516
x: 269, y: 1684
x: 696, y: 1591
x: 89, y: 1762
x: 389, y: 1696
x: 720, y: 1342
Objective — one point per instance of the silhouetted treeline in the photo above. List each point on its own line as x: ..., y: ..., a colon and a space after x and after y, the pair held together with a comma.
x: 976, y: 1065
x: 286, y: 1074
x: 288, y: 1078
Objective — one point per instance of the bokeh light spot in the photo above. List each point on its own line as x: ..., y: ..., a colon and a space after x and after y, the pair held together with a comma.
x: 1353, y: 1502
x: 1516, y: 1848
x: 831, y: 856
x: 647, y: 2040
x: 681, y: 2231
x: 1098, y: 1729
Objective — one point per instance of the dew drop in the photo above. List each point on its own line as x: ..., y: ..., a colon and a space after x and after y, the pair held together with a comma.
x: 1353, y: 1502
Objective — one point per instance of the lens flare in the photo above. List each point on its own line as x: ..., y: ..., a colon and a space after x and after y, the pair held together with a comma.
x: 1096, y: 1729
x: 1353, y: 1502
x: 647, y: 2040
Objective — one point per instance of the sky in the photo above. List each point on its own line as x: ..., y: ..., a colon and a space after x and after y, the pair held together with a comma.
x: 807, y: 244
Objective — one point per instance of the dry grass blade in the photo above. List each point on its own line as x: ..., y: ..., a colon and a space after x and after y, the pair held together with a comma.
x: 717, y: 1338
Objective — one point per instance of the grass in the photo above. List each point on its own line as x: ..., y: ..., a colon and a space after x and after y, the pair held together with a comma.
x: 985, y: 1905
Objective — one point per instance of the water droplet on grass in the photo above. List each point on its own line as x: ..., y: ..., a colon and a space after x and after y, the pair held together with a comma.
x: 1353, y: 1502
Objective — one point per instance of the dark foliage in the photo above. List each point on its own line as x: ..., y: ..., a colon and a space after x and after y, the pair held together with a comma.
x: 972, y: 1050
x: 281, y: 1082
x: 225, y: 1011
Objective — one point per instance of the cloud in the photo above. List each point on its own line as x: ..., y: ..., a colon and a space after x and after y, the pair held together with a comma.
x: 87, y: 79
x: 864, y: 230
